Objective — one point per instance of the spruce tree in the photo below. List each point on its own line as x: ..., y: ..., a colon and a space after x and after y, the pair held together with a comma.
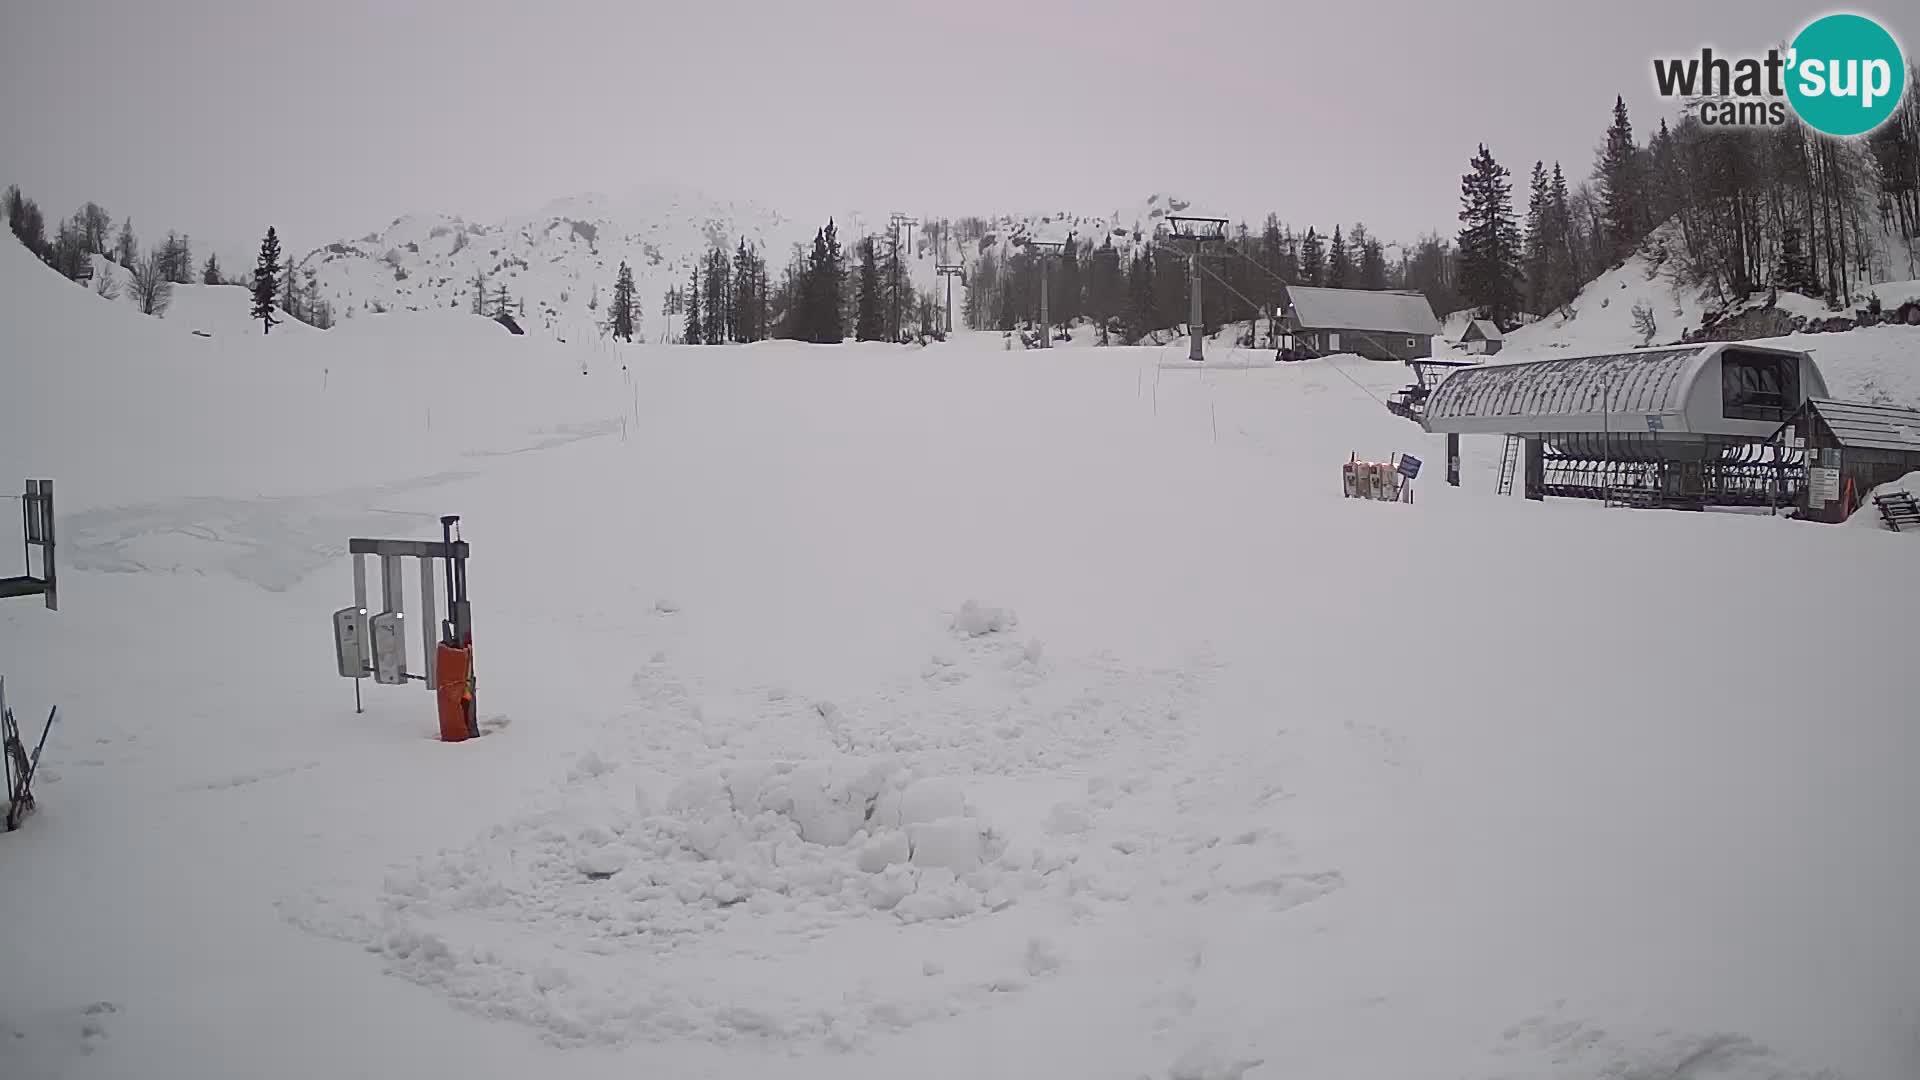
x: 1562, y: 258
x: 1622, y: 186
x: 1534, y: 261
x: 266, y: 281
x: 1339, y: 263
x: 1373, y: 265
x: 27, y: 222
x: 621, y: 313
x: 211, y: 274
x: 1103, y: 286
x: 747, y: 296
x: 126, y: 250
x: 693, y: 330
x: 824, y: 268
x: 1794, y: 273
x: 718, y: 317
x: 1142, y: 303
x: 1489, y: 241
x: 868, y: 324
x: 1313, y: 260
x: 1065, y: 301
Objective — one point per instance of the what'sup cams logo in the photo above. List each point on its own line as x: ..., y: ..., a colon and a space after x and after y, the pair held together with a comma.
x: 1844, y: 75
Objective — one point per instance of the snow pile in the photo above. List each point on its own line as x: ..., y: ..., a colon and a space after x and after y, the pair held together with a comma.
x: 1868, y: 515
x: 931, y: 801
x: 780, y: 854
x: 976, y: 621
x: 225, y: 311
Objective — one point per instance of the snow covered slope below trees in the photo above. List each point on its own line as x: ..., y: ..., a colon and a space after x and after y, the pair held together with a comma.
x: 1655, y: 297
x: 1648, y: 299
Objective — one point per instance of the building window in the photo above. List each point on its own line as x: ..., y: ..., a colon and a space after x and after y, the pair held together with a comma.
x: 1758, y: 386
x: 1412, y: 343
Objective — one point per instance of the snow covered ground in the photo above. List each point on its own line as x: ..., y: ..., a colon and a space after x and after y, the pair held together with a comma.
x: 869, y: 711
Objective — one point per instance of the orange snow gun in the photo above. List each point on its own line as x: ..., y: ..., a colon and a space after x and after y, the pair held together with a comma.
x: 453, y: 660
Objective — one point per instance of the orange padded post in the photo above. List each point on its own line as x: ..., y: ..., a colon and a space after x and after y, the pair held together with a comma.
x: 453, y: 674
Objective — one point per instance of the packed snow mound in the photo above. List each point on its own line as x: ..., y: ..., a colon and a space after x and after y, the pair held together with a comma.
x: 1894, y: 294
x: 1868, y: 516
x: 975, y: 621
x: 439, y: 328
x: 225, y: 310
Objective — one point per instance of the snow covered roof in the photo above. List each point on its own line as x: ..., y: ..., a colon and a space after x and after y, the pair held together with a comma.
x: 1485, y: 329
x: 1861, y: 426
x: 1650, y: 381
x: 1678, y: 387
x: 1362, y: 309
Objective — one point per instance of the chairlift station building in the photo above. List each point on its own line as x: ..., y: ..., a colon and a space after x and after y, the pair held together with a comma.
x: 1681, y: 426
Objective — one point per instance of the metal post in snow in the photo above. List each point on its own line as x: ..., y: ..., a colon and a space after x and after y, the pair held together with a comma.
x: 1194, y: 352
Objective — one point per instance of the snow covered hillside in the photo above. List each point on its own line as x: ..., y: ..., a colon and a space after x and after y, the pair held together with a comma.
x: 869, y: 711
x: 1649, y: 299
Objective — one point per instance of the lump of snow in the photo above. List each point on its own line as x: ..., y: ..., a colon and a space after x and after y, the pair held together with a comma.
x: 976, y: 621
x: 589, y: 766
x: 1069, y: 819
x: 957, y: 844
x: 882, y: 851
x: 1208, y: 1063
x: 923, y: 801
x: 1043, y: 957
x: 938, y: 895
x: 604, y: 861
x: 888, y: 888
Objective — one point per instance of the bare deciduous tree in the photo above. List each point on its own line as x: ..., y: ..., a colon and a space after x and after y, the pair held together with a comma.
x: 105, y: 284
x: 152, y: 290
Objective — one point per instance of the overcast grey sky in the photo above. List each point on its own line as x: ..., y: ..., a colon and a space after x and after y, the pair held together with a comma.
x: 328, y: 118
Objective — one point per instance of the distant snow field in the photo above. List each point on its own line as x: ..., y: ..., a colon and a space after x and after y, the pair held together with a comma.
x: 950, y: 712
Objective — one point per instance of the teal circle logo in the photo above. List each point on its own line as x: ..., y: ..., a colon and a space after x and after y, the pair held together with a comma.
x: 1846, y: 75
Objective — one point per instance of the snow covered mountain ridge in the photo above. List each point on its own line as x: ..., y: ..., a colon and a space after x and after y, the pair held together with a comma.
x: 554, y: 263
x: 558, y: 263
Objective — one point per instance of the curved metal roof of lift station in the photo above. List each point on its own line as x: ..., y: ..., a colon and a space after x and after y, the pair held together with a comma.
x: 1681, y: 386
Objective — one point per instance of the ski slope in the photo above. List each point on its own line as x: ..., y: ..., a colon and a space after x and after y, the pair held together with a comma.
x: 867, y: 711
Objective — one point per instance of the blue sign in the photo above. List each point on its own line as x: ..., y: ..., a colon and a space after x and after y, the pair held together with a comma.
x: 1654, y: 423
x: 1409, y: 466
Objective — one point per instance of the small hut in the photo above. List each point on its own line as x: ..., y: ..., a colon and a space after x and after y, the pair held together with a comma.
x: 1851, y: 448
x: 1483, y: 336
